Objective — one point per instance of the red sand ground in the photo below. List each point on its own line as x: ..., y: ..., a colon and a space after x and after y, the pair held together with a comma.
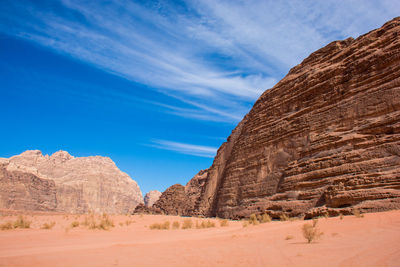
x: 370, y: 241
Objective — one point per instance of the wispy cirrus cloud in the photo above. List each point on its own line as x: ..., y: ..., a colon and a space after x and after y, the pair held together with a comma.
x: 183, y: 148
x: 213, y: 57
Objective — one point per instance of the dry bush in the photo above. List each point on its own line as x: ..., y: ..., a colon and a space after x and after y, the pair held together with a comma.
x: 265, y: 218
x: 341, y: 216
x: 155, y: 226
x: 311, y: 232
x: 289, y: 237
x: 74, y: 224
x: 160, y: 226
x: 187, y: 224
x: 253, y: 219
x: 21, y: 222
x: 48, y: 226
x: 223, y: 223
x: 210, y: 224
x: 166, y: 225
x: 357, y: 213
x: 245, y: 224
x: 6, y: 226
x: 283, y: 217
x: 175, y: 225
x: 121, y: 224
x: 105, y: 223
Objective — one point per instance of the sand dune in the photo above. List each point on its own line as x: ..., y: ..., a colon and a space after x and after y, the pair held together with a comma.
x: 370, y: 241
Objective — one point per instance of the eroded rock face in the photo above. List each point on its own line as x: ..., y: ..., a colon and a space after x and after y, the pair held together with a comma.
x: 80, y: 184
x: 324, y: 140
x: 151, y: 197
x: 178, y: 199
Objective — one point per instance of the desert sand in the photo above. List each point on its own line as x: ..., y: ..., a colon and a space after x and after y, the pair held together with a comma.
x: 373, y: 240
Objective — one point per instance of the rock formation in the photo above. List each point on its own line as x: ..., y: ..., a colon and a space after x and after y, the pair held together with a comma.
x: 177, y: 199
x: 151, y: 197
x: 61, y: 182
x: 324, y: 140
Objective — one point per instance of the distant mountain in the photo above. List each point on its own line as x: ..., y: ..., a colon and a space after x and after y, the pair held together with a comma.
x: 61, y: 182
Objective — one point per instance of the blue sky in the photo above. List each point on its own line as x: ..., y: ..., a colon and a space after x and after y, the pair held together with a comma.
x: 156, y: 85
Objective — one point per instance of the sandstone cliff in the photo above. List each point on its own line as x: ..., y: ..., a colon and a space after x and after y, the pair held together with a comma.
x: 61, y: 182
x: 324, y: 140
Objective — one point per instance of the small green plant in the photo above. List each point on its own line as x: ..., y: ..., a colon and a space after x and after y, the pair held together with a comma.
x: 175, y: 225
x: 74, y: 224
x: 6, y: 226
x: 223, y: 223
x: 187, y: 224
x: 357, y: 213
x: 311, y: 232
x: 21, y: 222
x: 48, y: 226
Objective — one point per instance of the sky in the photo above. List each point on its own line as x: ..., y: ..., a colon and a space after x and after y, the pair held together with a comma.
x: 157, y: 86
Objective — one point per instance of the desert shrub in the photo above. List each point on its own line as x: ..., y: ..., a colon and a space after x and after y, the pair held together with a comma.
x: 357, y: 213
x: 341, y: 216
x: 121, y: 224
x: 283, y: 217
x: 48, y: 226
x: 128, y: 222
x: 245, y: 224
x: 175, y: 225
x: 265, y: 218
x: 6, y: 226
x: 155, y: 226
x: 21, y: 222
x: 187, y: 224
x: 311, y: 232
x: 253, y: 219
x: 210, y: 224
x: 166, y: 225
x: 223, y: 223
x: 105, y: 223
x: 160, y: 226
x: 74, y: 224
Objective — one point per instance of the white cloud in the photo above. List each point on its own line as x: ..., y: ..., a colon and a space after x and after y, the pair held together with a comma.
x: 189, y: 149
x: 216, y: 57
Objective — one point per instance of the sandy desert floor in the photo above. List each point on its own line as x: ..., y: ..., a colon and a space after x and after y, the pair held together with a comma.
x: 373, y: 240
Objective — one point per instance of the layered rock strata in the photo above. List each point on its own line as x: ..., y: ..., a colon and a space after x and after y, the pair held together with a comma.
x: 61, y: 182
x: 324, y: 140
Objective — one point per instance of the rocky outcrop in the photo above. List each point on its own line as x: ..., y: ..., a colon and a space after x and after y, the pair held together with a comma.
x: 61, y: 182
x: 324, y: 140
x: 151, y: 197
x: 178, y: 199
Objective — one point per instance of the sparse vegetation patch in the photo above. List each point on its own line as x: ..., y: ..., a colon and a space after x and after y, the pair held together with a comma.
x: 187, y: 224
x: 48, y: 226
x: 311, y: 232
